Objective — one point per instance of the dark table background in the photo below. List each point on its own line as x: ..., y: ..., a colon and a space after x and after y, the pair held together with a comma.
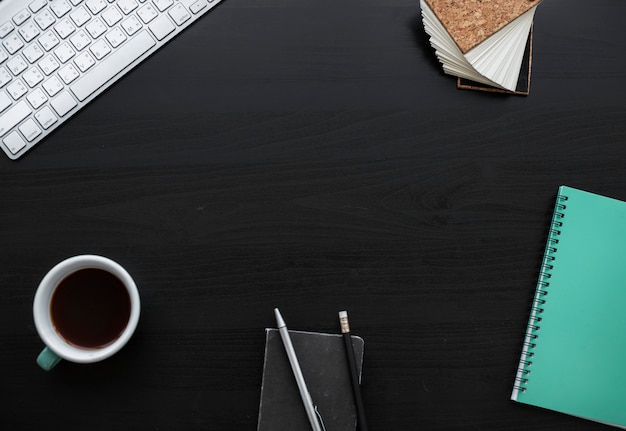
x: 311, y: 155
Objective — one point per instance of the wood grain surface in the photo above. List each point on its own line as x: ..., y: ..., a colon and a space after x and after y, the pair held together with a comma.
x: 311, y: 155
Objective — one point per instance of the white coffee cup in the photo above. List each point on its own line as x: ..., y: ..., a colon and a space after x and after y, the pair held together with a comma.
x: 58, y: 347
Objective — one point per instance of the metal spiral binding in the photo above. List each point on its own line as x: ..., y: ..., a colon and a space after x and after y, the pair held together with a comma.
x: 541, y: 292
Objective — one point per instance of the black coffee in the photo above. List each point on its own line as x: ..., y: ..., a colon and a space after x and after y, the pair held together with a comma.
x: 90, y: 308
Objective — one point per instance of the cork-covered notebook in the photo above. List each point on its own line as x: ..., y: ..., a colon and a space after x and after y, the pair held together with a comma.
x: 484, y: 41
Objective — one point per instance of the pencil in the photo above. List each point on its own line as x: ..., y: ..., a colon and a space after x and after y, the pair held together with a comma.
x: 354, y: 377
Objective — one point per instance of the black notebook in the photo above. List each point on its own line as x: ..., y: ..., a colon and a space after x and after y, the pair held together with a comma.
x: 322, y: 358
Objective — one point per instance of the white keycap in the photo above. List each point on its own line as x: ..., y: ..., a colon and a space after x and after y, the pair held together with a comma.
x: 21, y: 17
x: 179, y: 14
x: 46, y: 117
x: 52, y: 86
x: 64, y: 52
x: 197, y: 6
x: 100, y: 49
x: 96, y: 6
x: 30, y: 130
x: 80, y: 40
x: 65, y: 28
x: 131, y: 25
x: 5, y: 101
x: 14, y: 142
x: 80, y: 16
x: 111, y: 16
x: 13, y: 43
x: 116, y: 37
x: 163, y: 4
x: 68, y: 73
x: 37, y: 5
x: 147, y: 13
x: 32, y: 76
x: 161, y: 27
x: 17, y: 65
x: 17, y: 89
x: 96, y: 28
x: 49, y: 64
x: 6, y: 28
x: 37, y: 98
x: 60, y: 7
x: 127, y: 6
x: 45, y: 19
x: 49, y: 40
x: 84, y: 61
x: 32, y: 53
x: 63, y: 103
x: 5, y: 77
x: 13, y: 116
x: 29, y: 31
x: 3, y: 56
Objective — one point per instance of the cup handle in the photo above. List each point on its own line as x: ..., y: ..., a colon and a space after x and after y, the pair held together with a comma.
x: 47, y: 359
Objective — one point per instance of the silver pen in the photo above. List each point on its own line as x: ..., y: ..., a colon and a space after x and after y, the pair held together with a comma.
x: 311, y: 410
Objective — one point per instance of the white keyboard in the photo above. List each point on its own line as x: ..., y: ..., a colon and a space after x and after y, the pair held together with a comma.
x: 58, y: 55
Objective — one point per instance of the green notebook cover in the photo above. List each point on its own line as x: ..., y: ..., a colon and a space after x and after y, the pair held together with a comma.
x: 574, y: 353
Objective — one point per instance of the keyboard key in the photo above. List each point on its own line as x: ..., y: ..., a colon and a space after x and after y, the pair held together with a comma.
x: 127, y: 6
x: 49, y: 40
x: 84, y: 61
x: 37, y: 98
x: 52, y: 86
x: 68, y: 73
x: 116, y: 37
x: 21, y: 17
x: 32, y: 77
x: 13, y: 43
x: 179, y: 14
x: 37, y: 5
x: 80, y: 16
x: 32, y: 53
x: 100, y: 49
x: 49, y: 64
x: 6, y: 28
x: 65, y: 28
x: 13, y: 116
x: 80, y: 40
x: 5, y: 101
x: 96, y: 28
x: 29, y: 31
x: 112, y: 65
x: 5, y: 77
x: 30, y: 130
x: 17, y: 65
x: 161, y: 27
x: 14, y: 142
x: 96, y: 6
x: 63, y: 103
x: 45, y: 19
x: 131, y: 25
x: 147, y: 13
x: 197, y: 6
x: 64, y: 52
x: 60, y: 7
x: 17, y: 89
x: 111, y: 16
x: 46, y: 117
x: 163, y: 4
x: 3, y: 56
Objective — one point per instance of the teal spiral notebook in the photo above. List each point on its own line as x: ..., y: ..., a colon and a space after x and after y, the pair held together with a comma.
x: 574, y: 352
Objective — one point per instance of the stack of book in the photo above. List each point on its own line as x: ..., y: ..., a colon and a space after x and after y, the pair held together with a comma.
x: 486, y: 44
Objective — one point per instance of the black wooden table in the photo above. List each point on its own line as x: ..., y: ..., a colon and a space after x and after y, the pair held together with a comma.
x: 311, y: 155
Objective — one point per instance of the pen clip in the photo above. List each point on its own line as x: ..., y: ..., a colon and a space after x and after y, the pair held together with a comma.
x: 319, y: 418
